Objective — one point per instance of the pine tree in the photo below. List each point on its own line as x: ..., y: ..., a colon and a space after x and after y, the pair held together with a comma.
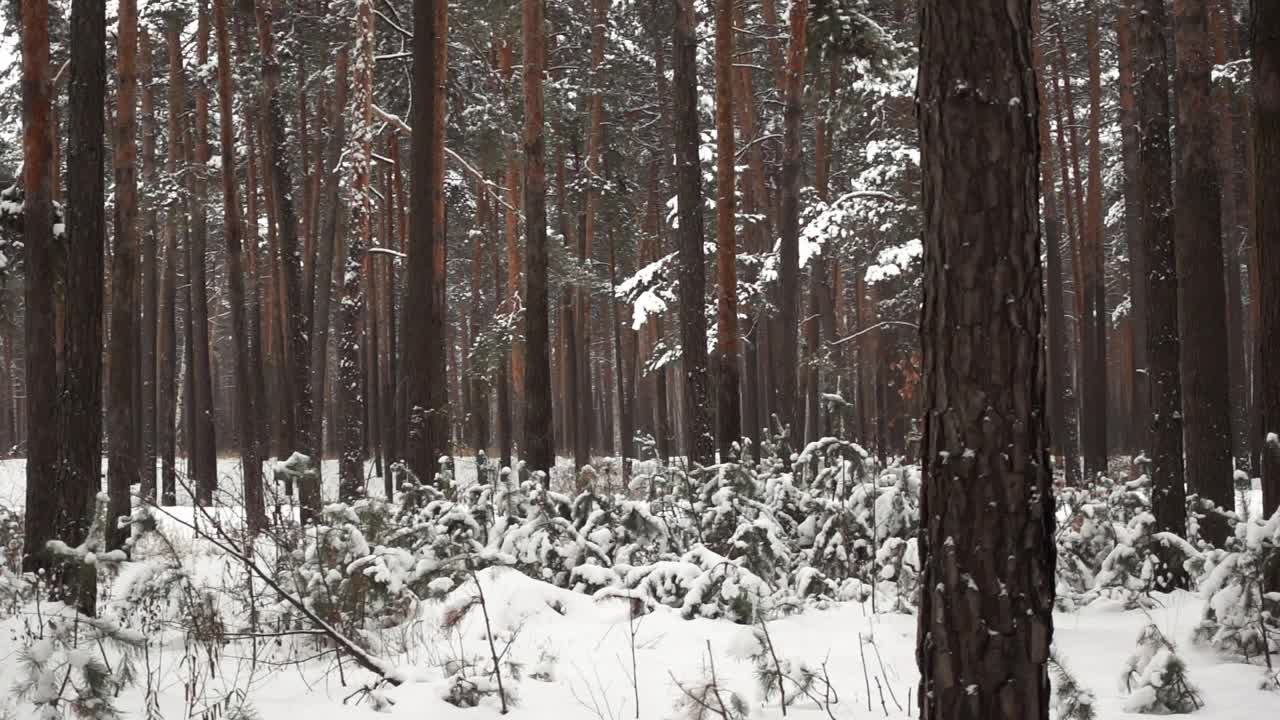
x: 978, y: 109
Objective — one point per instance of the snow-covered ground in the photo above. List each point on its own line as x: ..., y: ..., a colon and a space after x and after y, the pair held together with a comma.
x: 575, y: 655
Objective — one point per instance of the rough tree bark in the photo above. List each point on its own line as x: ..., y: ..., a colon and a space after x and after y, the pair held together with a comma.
x: 728, y: 374
x: 1202, y: 310
x: 80, y: 405
x: 1265, y: 44
x: 699, y: 435
x: 425, y: 373
x: 1155, y: 165
x: 122, y: 451
x: 203, y: 448
x: 789, y: 218
x: 986, y: 608
x: 539, y: 440
x: 246, y: 403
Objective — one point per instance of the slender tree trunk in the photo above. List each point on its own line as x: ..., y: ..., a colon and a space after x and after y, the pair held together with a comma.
x: 1093, y: 349
x: 203, y: 462
x: 539, y: 441
x: 1158, y: 240
x: 789, y: 218
x: 122, y: 452
x: 297, y: 324
x: 699, y: 435
x: 167, y: 391
x: 1130, y: 140
x: 504, y: 382
x: 149, y: 292
x: 986, y: 606
x: 1265, y: 46
x: 1059, y: 374
x: 425, y: 371
x: 246, y: 404
x: 1202, y: 310
x: 1231, y: 242
x: 328, y: 241
x: 728, y: 404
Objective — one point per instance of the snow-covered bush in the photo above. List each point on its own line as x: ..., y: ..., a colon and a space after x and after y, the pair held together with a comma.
x: 1240, y: 618
x: 1143, y: 560
x: 1156, y: 678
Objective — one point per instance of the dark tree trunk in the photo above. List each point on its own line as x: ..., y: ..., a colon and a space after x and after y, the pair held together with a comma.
x: 246, y: 403
x: 504, y: 382
x: 1136, y: 423
x: 80, y: 406
x: 425, y: 371
x: 122, y: 451
x: 1265, y: 44
x: 327, y: 241
x: 1093, y: 349
x: 1059, y: 370
x: 986, y: 605
x: 150, y: 275
x: 728, y: 373
x: 203, y: 446
x: 167, y: 391
x: 298, y: 325
x: 539, y: 441
x: 1155, y: 165
x: 789, y: 221
x: 569, y: 327
x: 1206, y: 385
x: 699, y: 435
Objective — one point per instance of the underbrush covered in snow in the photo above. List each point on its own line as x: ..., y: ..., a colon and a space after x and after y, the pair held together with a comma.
x: 742, y: 589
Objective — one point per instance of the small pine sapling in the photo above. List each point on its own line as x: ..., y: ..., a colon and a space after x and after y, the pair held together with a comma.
x: 1156, y: 678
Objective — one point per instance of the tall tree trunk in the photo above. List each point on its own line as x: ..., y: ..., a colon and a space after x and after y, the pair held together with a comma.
x: 167, y: 387
x: 505, y: 421
x: 79, y: 430
x: 539, y: 440
x: 1157, y: 227
x: 246, y: 403
x: 986, y: 606
x: 122, y: 450
x: 150, y: 275
x: 204, y: 452
x: 297, y: 323
x: 1059, y: 375
x: 327, y: 241
x: 425, y: 371
x: 1202, y: 310
x: 699, y: 435
x: 1136, y: 422
x: 1231, y: 241
x: 1265, y: 46
x: 789, y: 218
x: 1093, y: 350
x: 728, y: 379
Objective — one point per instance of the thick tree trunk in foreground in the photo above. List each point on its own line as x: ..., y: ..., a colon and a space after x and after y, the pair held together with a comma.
x: 539, y: 441
x: 1202, y: 311
x: 699, y: 437
x: 1265, y: 42
x: 426, y: 392
x: 1157, y: 228
x: 986, y: 607
x: 122, y: 449
x: 80, y: 403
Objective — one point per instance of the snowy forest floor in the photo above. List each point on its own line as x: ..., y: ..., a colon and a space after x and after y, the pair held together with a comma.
x: 575, y: 654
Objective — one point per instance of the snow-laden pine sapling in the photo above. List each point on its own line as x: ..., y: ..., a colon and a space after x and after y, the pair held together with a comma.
x: 1070, y: 699
x: 1156, y: 678
x: 708, y: 699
